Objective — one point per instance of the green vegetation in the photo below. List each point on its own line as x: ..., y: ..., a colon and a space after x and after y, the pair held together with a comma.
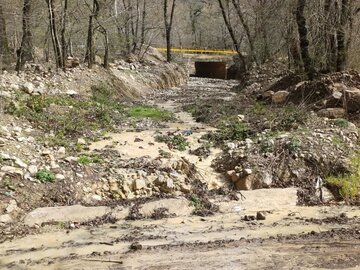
x: 289, y: 117
x: 89, y: 159
x: 178, y: 142
x: 45, y: 176
x: 233, y: 131
x: 348, y: 185
x: 143, y: 111
x: 293, y: 145
x: 342, y: 123
x: 196, y: 202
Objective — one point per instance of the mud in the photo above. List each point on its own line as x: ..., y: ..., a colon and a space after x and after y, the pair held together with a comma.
x: 215, y: 235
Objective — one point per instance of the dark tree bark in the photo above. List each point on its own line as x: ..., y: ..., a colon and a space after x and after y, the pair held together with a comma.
x: 232, y: 34
x: 246, y: 28
x: 142, y: 41
x: 341, y: 36
x: 5, y: 54
x: 330, y: 11
x: 54, y: 34
x: 90, y: 54
x: 63, y: 31
x: 168, y: 19
x: 26, y: 51
x: 304, y: 42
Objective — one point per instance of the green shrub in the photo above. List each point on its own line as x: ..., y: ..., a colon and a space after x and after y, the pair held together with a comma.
x: 45, y: 176
x: 233, y: 131
x: 348, y: 185
x: 178, y: 142
x: 342, y: 123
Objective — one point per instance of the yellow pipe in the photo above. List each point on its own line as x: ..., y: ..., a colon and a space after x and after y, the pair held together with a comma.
x: 198, y: 51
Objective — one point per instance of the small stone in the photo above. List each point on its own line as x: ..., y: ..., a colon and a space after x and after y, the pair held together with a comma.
x: 139, y: 184
x: 32, y: 169
x: 96, y: 197
x: 260, y: 216
x: 81, y: 141
x: 135, y: 246
x: 280, y: 97
x: 6, y: 219
x: 12, y: 170
x: 20, y: 163
x: 59, y: 177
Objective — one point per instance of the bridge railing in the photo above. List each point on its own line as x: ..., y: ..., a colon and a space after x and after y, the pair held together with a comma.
x: 198, y: 50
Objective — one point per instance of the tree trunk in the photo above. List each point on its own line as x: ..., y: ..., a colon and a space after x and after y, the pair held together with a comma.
x: 168, y: 27
x: 4, y: 45
x: 90, y: 54
x: 26, y: 51
x: 246, y: 28
x: 304, y: 42
x: 232, y: 35
x: 63, y: 31
x: 341, y: 36
x: 54, y: 34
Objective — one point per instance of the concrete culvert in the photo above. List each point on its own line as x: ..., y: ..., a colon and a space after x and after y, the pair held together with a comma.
x: 215, y: 70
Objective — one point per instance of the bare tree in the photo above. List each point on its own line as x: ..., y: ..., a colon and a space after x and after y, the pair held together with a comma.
x: 304, y: 42
x: 63, y: 31
x: 168, y: 19
x: 341, y: 35
x: 232, y: 34
x: 4, y: 45
x: 54, y: 34
x: 90, y: 54
x: 246, y: 27
x: 26, y: 51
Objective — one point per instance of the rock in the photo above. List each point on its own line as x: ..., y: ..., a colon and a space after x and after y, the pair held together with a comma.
x: 59, y: 177
x: 248, y: 171
x: 71, y: 93
x: 12, y: 170
x: 135, y: 246
x: 352, y: 98
x: 12, y: 207
x: 139, y: 184
x: 74, y: 213
x: 6, y: 219
x: 32, y: 169
x: 20, y: 163
x: 81, y: 141
x: 266, y: 180
x: 28, y: 87
x: 96, y: 197
x: 260, y: 216
x: 332, y: 113
x: 280, y: 97
x: 177, y: 207
x: 245, y: 183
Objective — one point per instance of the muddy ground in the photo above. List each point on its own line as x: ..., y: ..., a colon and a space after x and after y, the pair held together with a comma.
x: 255, y: 229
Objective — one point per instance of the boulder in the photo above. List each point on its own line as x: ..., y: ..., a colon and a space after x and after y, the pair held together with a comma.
x: 332, y: 113
x: 280, y: 97
x: 352, y: 98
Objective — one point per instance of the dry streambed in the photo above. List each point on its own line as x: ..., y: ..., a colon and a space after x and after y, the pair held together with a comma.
x: 163, y: 232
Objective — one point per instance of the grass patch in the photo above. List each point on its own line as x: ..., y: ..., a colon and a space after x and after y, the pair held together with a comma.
x: 178, y: 142
x: 87, y: 160
x: 342, y: 123
x: 143, y: 111
x: 45, y: 176
x: 348, y: 185
x: 233, y: 131
x: 70, y: 117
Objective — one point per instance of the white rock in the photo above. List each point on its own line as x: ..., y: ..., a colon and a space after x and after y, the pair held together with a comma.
x: 96, y: 197
x: 59, y: 177
x: 81, y: 141
x: 139, y: 184
x: 12, y: 170
x: 32, y: 169
x: 20, y: 163
x: 6, y: 219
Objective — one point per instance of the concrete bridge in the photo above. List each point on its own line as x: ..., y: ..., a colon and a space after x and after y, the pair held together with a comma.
x: 208, y: 63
